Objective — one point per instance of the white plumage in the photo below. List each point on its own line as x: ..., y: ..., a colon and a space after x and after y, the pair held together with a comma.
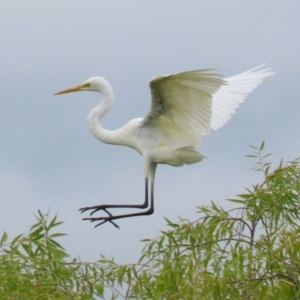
x: 185, y: 106
x: 228, y: 98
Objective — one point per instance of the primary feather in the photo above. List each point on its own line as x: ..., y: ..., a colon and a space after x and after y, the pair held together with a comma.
x: 228, y: 98
x: 185, y: 106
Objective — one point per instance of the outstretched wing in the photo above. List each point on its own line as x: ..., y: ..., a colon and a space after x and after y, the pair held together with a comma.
x: 185, y: 106
x: 228, y: 98
x: 181, y: 108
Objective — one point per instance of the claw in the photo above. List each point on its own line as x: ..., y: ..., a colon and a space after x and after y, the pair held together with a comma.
x: 107, y: 212
x: 103, y: 219
x: 110, y: 221
x: 94, y: 209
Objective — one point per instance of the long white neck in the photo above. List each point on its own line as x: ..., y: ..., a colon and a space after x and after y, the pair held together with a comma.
x: 98, y: 112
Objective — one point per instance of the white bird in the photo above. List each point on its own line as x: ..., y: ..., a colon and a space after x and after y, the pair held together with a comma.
x: 185, y: 106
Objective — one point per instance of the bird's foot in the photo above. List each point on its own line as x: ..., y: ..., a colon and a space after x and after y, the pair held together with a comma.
x: 94, y: 209
x: 103, y: 220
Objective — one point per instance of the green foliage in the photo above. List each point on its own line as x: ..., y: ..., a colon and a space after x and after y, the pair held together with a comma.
x: 35, y: 267
x: 249, y: 252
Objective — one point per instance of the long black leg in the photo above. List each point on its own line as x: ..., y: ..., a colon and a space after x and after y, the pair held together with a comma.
x: 105, y: 206
x: 110, y: 217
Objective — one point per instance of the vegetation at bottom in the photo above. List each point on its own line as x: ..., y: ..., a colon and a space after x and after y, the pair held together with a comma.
x: 249, y: 252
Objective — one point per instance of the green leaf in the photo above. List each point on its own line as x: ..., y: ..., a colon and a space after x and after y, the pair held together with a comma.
x: 3, y: 238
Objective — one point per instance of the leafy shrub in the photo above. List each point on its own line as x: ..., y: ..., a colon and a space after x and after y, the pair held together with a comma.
x: 249, y: 252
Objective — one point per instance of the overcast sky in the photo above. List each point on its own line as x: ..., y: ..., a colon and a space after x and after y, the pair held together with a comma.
x: 48, y: 157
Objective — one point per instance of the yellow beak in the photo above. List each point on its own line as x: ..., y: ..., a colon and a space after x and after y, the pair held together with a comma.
x: 72, y: 89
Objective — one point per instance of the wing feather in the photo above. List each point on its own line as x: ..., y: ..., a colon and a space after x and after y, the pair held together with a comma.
x: 185, y: 106
x: 181, y: 105
x: 228, y: 98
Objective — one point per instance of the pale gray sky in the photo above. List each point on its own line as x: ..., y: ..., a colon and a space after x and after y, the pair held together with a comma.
x: 49, y: 159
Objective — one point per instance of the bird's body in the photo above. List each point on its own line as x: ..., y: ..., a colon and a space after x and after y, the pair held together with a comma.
x: 185, y: 106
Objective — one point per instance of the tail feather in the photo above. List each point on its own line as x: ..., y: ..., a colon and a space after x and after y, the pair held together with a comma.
x: 188, y: 155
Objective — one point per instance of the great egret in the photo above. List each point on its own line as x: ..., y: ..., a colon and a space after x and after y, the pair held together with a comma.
x: 184, y: 107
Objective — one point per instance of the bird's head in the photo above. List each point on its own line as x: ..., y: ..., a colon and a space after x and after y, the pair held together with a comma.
x: 94, y: 84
